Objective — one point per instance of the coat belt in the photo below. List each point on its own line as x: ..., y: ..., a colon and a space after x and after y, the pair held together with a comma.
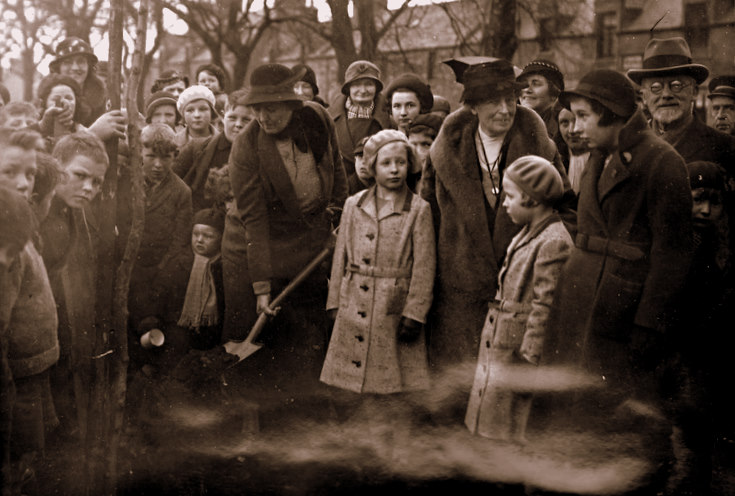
x: 510, y: 306
x: 376, y: 271
x: 606, y: 246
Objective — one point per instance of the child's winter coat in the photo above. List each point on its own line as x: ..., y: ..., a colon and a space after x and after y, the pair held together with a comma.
x: 517, y: 317
x: 383, y: 269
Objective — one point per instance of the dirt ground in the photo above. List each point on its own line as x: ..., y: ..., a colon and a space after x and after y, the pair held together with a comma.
x: 216, y: 437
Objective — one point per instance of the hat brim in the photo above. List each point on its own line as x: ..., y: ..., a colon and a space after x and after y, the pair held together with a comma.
x: 699, y: 72
x: 54, y: 64
x: 616, y: 107
x: 255, y: 97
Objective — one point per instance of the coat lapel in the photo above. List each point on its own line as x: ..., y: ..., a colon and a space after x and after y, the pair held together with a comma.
x: 612, y: 175
x: 271, y: 166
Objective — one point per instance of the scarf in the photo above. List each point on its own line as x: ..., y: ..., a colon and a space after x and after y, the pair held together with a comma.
x: 358, y: 111
x: 200, y: 303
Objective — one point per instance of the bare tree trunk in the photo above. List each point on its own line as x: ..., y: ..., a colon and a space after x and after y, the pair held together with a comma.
x: 342, y: 40
x: 499, y: 37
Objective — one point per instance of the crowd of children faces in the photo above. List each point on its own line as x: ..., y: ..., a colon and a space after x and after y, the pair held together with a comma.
x: 532, y: 226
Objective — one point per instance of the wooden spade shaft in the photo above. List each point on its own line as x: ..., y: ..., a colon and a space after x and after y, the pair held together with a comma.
x: 246, y: 348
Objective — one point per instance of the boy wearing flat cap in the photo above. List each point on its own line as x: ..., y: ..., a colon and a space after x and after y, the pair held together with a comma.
x: 618, y: 292
x: 515, y: 326
x: 722, y: 104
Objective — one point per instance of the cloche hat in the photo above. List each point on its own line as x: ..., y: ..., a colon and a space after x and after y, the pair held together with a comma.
x: 70, y: 47
x: 273, y: 83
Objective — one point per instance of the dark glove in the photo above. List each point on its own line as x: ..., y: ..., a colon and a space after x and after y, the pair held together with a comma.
x: 409, y: 330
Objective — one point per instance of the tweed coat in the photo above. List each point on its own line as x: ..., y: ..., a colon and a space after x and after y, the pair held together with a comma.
x: 347, y: 142
x: 382, y: 270
x: 280, y: 238
x: 472, y: 235
x: 518, y: 317
x: 632, y: 255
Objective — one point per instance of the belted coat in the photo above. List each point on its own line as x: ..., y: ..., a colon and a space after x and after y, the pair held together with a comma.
x: 632, y: 255
x: 382, y: 270
x: 517, y: 318
x: 472, y: 235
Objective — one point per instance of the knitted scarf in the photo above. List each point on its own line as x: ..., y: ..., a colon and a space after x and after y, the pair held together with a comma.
x: 200, y: 303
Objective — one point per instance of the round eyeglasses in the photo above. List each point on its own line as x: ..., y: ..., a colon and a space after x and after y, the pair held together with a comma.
x: 675, y: 87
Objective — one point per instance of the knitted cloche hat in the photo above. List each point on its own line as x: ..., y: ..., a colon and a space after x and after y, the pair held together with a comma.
x: 379, y: 140
x: 704, y: 174
x: 271, y: 83
x: 156, y: 100
x: 610, y: 88
x: 210, y: 217
x: 193, y: 93
x: 537, y: 178
x: 360, y: 69
x: 413, y: 83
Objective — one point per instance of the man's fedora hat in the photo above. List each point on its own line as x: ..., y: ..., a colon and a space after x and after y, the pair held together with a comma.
x: 273, y: 83
x: 722, y: 86
x: 667, y: 57
x: 483, y: 77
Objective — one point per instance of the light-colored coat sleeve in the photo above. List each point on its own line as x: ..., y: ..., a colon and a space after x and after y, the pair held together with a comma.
x: 547, y: 267
x: 421, y: 288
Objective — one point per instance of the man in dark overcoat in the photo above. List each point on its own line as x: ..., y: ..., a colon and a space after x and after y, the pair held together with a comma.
x: 462, y: 181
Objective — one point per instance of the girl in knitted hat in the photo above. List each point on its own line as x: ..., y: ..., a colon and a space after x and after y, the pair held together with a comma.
x: 196, y: 104
x: 515, y: 325
x: 382, y: 279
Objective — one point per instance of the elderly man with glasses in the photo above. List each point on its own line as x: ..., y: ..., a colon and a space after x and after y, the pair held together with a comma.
x: 669, y: 83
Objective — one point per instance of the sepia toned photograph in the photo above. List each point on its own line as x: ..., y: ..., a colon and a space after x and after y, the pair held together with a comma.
x: 359, y: 247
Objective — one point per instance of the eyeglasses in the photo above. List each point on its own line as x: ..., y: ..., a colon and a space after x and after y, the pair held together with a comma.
x: 675, y: 87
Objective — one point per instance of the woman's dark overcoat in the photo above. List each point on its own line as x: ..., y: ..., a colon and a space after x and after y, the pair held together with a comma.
x: 196, y: 159
x: 472, y: 235
x: 280, y: 240
x: 633, y: 250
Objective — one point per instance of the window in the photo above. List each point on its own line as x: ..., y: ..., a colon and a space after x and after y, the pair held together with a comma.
x: 606, y: 29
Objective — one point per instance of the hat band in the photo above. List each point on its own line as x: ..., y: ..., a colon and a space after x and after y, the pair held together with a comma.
x: 666, y: 61
x: 272, y: 90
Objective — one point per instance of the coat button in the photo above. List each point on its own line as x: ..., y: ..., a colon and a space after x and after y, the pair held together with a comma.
x: 491, y: 319
x: 364, y: 287
x: 487, y: 343
x: 360, y: 338
x: 357, y: 363
x: 370, y: 236
x: 366, y: 261
x: 362, y: 314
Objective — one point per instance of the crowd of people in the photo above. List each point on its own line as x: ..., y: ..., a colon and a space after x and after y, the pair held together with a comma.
x: 533, y: 226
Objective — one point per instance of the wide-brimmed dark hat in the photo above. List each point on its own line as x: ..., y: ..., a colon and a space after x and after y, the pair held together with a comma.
x: 722, y: 86
x: 610, y: 88
x: 546, y: 68
x: 70, y: 47
x: 360, y: 69
x: 667, y: 57
x: 273, y: 83
x: 483, y: 77
x: 414, y: 83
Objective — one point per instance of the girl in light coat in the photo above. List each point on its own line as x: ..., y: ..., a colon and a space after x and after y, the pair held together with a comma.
x: 382, y: 279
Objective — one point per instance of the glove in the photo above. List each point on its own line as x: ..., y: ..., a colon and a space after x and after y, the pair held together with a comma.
x: 409, y: 330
